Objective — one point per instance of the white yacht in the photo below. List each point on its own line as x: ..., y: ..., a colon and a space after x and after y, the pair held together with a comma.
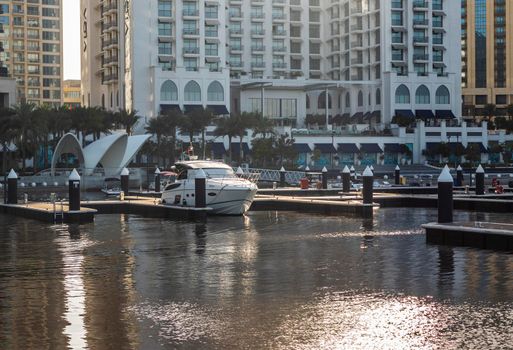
x: 226, y: 193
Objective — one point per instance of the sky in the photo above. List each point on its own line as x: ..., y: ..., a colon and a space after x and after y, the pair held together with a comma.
x: 71, y: 39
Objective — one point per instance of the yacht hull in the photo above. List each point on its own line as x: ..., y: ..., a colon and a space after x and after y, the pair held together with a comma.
x: 224, y: 200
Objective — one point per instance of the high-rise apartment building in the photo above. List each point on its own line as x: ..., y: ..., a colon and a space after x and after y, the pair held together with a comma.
x: 487, y: 70
x: 71, y: 93
x: 153, y: 55
x: 31, y: 48
x: 365, y: 60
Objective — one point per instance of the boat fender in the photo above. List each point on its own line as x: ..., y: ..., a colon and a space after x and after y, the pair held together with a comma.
x: 184, y: 202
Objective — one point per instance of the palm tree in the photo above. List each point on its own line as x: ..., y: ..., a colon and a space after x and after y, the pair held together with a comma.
x: 489, y: 111
x: 7, y: 134
x: 284, y: 147
x: 200, y: 119
x: 128, y: 119
x: 172, y: 119
x: 156, y: 127
x: 225, y: 126
x: 242, y: 123
x: 43, y: 114
x: 263, y: 126
x: 23, y: 122
x: 509, y: 111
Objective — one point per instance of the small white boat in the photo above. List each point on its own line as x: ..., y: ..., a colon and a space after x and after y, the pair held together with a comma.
x: 112, y: 186
x: 226, y: 193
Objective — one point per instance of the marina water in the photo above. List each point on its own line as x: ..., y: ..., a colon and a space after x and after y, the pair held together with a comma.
x: 267, y: 280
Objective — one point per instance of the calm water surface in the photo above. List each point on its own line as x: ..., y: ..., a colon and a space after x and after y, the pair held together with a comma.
x: 273, y: 281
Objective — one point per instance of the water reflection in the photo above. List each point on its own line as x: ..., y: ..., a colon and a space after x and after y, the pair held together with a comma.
x: 281, y: 281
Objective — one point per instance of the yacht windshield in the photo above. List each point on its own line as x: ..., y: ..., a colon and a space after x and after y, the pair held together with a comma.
x: 218, y: 173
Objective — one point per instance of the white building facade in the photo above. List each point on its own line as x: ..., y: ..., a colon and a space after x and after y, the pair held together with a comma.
x: 374, y: 58
x: 154, y: 55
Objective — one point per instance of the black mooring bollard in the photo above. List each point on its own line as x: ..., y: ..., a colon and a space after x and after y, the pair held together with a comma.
x: 282, y: 177
x: 445, y: 196
x: 125, y: 178
x: 346, y: 180
x: 459, y: 176
x: 12, y: 188
x: 74, y: 191
x: 324, y: 178
x: 200, y: 189
x: 397, y: 175
x: 353, y: 172
x: 368, y: 183
x: 157, y: 180
x: 480, y: 178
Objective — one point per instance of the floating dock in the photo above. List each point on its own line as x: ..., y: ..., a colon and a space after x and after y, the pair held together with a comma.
x: 147, y: 207
x: 484, y: 235
x: 309, y: 205
x: 46, y: 212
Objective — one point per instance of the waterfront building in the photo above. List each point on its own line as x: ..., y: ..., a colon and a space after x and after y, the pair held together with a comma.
x: 31, y: 49
x: 375, y: 59
x: 154, y: 55
x: 487, y: 70
x: 71, y: 93
x: 364, y: 60
x: 7, y: 92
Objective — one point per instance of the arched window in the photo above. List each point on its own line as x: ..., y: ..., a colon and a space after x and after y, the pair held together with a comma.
x: 103, y: 100
x: 192, y: 91
x: 168, y: 91
x: 111, y: 99
x: 402, y: 94
x: 378, y: 96
x: 321, y: 102
x: 443, y: 97
x: 348, y: 100
x: 215, y: 91
x: 307, y: 102
x: 422, y: 95
x: 117, y: 98
x: 370, y: 99
x: 360, y: 98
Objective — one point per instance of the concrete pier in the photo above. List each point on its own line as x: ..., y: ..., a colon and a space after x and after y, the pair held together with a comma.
x: 484, y: 235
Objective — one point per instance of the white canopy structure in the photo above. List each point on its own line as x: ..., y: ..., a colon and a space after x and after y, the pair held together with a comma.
x: 112, y: 152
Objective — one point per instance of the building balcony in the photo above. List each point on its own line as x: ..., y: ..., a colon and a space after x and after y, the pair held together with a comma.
x: 236, y: 32
x: 420, y: 5
x: 190, y: 13
x: 279, y: 65
x: 191, y: 50
x: 258, y: 32
x: 420, y: 41
x: 257, y: 65
x: 258, y: 48
x: 421, y: 57
x: 187, y: 31
x: 420, y: 22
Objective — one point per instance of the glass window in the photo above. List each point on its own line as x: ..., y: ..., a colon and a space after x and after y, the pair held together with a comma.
x: 402, y: 94
x: 443, y: 96
x: 422, y: 95
x: 192, y: 91
x: 168, y: 91
x: 165, y: 8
